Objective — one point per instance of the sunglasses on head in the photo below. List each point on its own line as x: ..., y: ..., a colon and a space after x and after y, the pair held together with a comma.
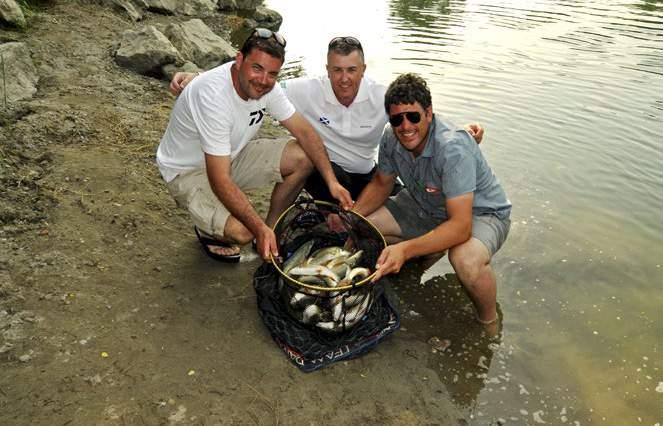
x: 267, y: 34
x: 347, y: 40
x: 397, y: 119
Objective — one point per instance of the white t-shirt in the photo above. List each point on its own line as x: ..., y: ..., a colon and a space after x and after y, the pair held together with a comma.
x: 350, y: 134
x: 210, y: 117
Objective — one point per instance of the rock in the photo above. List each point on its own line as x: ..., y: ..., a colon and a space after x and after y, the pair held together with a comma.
x: 18, y: 76
x: 11, y: 13
x: 146, y: 51
x: 25, y: 358
x: 196, y: 8
x: 170, y: 69
x: 161, y: 6
x: 439, y: 345
x: 128, y: 6
x: 268, y: 18
x: 239, y: 4
x: 197, y: 43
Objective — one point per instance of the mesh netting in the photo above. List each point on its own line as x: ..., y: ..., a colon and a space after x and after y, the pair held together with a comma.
x: 328, y: 258
x: 317, y: 299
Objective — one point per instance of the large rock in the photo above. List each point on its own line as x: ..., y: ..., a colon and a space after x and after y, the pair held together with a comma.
x: 161, y: 6
x: 268, y: 18
x: 146, y: 51
x: 18, y: 76
x: 239, y: 4
x: 170, y: 69
x: 134, y: 12
x: 11, y: 13
x: 197, y: 43
x: 196, y: 7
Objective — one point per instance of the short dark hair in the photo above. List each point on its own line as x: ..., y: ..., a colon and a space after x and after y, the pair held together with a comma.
x: 407, y: 89
x: 344, y: 46
x: 268, y: 45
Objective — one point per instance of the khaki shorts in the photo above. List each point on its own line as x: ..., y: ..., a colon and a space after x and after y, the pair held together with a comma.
x: 257, y: 165
x: 489, y: 229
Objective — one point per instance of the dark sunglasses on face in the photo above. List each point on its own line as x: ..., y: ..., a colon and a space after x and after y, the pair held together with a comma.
x: 265, y: 33
x: 347, y: 40
x: 397, y: 119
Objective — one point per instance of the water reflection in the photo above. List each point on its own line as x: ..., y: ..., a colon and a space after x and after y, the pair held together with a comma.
x: 571, y: 95
x: 421, y: 13
x: 439, y: 312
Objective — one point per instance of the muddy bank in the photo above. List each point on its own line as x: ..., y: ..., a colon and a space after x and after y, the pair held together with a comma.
x: 109, y: 311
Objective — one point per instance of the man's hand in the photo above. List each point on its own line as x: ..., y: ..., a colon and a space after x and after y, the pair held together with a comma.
x: 476, y: 131
x: 266, y: 243
x: 180, y: 81
x: 342, y: 195
x: 390, y: 261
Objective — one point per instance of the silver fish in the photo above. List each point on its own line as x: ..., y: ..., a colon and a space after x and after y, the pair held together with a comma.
x: 353, y: 274
x: 327, y: 254
x: 311, y: 312
x: 298, y: 257
x: 354, y: 259
x: 301, y: 300
x: 319, y: 270
x: 353, y: 315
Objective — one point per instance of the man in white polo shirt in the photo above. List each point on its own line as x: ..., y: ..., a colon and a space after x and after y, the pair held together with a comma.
x: 346, y: 108
x: 207, y: 157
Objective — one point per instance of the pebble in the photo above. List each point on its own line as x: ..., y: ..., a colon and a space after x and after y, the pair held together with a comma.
x: 439, y: 344
x: 25, y: 358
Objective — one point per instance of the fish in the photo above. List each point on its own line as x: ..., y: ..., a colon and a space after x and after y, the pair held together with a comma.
x: 318, y: 270
x: 326, y: 255
x: 298, y: 256
x: 354, y: 273
x: 347, y: 307
x: 354, y: 314
x: 354, y: 259
x: 301, y: 300
x: 311, y: 312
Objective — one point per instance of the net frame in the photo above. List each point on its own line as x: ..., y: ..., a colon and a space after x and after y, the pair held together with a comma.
x: 345, y: 216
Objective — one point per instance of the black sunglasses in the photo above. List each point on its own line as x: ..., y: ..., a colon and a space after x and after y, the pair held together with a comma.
x: 347, y: 40
x: 397, y: 119
x: 265, y: 33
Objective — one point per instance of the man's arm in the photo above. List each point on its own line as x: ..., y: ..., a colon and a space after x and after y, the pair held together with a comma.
x: 311, y: 142
x: 375, y: 193
x: 227, y: 191
x: 456, y: 230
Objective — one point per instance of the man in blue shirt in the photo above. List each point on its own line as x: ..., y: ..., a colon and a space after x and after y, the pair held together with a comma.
x: 451, y: 201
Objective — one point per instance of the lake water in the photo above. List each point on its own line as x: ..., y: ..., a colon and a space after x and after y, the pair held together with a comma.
x: 571, y: 96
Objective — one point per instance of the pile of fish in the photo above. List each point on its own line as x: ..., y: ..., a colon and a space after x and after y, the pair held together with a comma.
x: 328, y: 267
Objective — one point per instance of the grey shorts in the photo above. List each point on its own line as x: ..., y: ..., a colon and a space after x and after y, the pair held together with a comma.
x: 257, y: 165
x: 414, y: 222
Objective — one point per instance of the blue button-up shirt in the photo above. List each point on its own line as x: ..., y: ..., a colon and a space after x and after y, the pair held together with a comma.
x: 450, y: 165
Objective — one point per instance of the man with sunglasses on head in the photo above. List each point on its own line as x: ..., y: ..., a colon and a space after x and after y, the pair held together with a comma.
x: 208, y: 158
x: 346, y: 109
x: 451, y: 200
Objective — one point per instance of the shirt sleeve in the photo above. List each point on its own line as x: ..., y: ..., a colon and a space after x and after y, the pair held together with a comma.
x: 459, y: 168
x: 278, y: 105
x: 386, y: 164
x: 210, y: 113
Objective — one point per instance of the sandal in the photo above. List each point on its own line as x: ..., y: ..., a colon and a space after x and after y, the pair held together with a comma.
x: 206, y: 242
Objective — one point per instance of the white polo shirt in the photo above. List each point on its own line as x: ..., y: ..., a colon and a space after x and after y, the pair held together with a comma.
x: 210, y: 117
x: 350, y: 134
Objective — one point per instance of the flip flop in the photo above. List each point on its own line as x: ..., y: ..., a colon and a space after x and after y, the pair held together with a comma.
x: 206, y: 242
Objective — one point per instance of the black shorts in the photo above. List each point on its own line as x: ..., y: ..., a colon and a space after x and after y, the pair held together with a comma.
x: 353, y: 182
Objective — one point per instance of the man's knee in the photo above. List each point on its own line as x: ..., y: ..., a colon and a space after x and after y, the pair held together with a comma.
x: 295, y: 160
x: 468, y: 259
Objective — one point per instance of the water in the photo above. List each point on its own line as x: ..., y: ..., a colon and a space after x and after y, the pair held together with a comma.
x: 571, y: 96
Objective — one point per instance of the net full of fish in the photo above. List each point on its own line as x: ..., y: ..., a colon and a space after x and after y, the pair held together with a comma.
x: 329, y: 267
